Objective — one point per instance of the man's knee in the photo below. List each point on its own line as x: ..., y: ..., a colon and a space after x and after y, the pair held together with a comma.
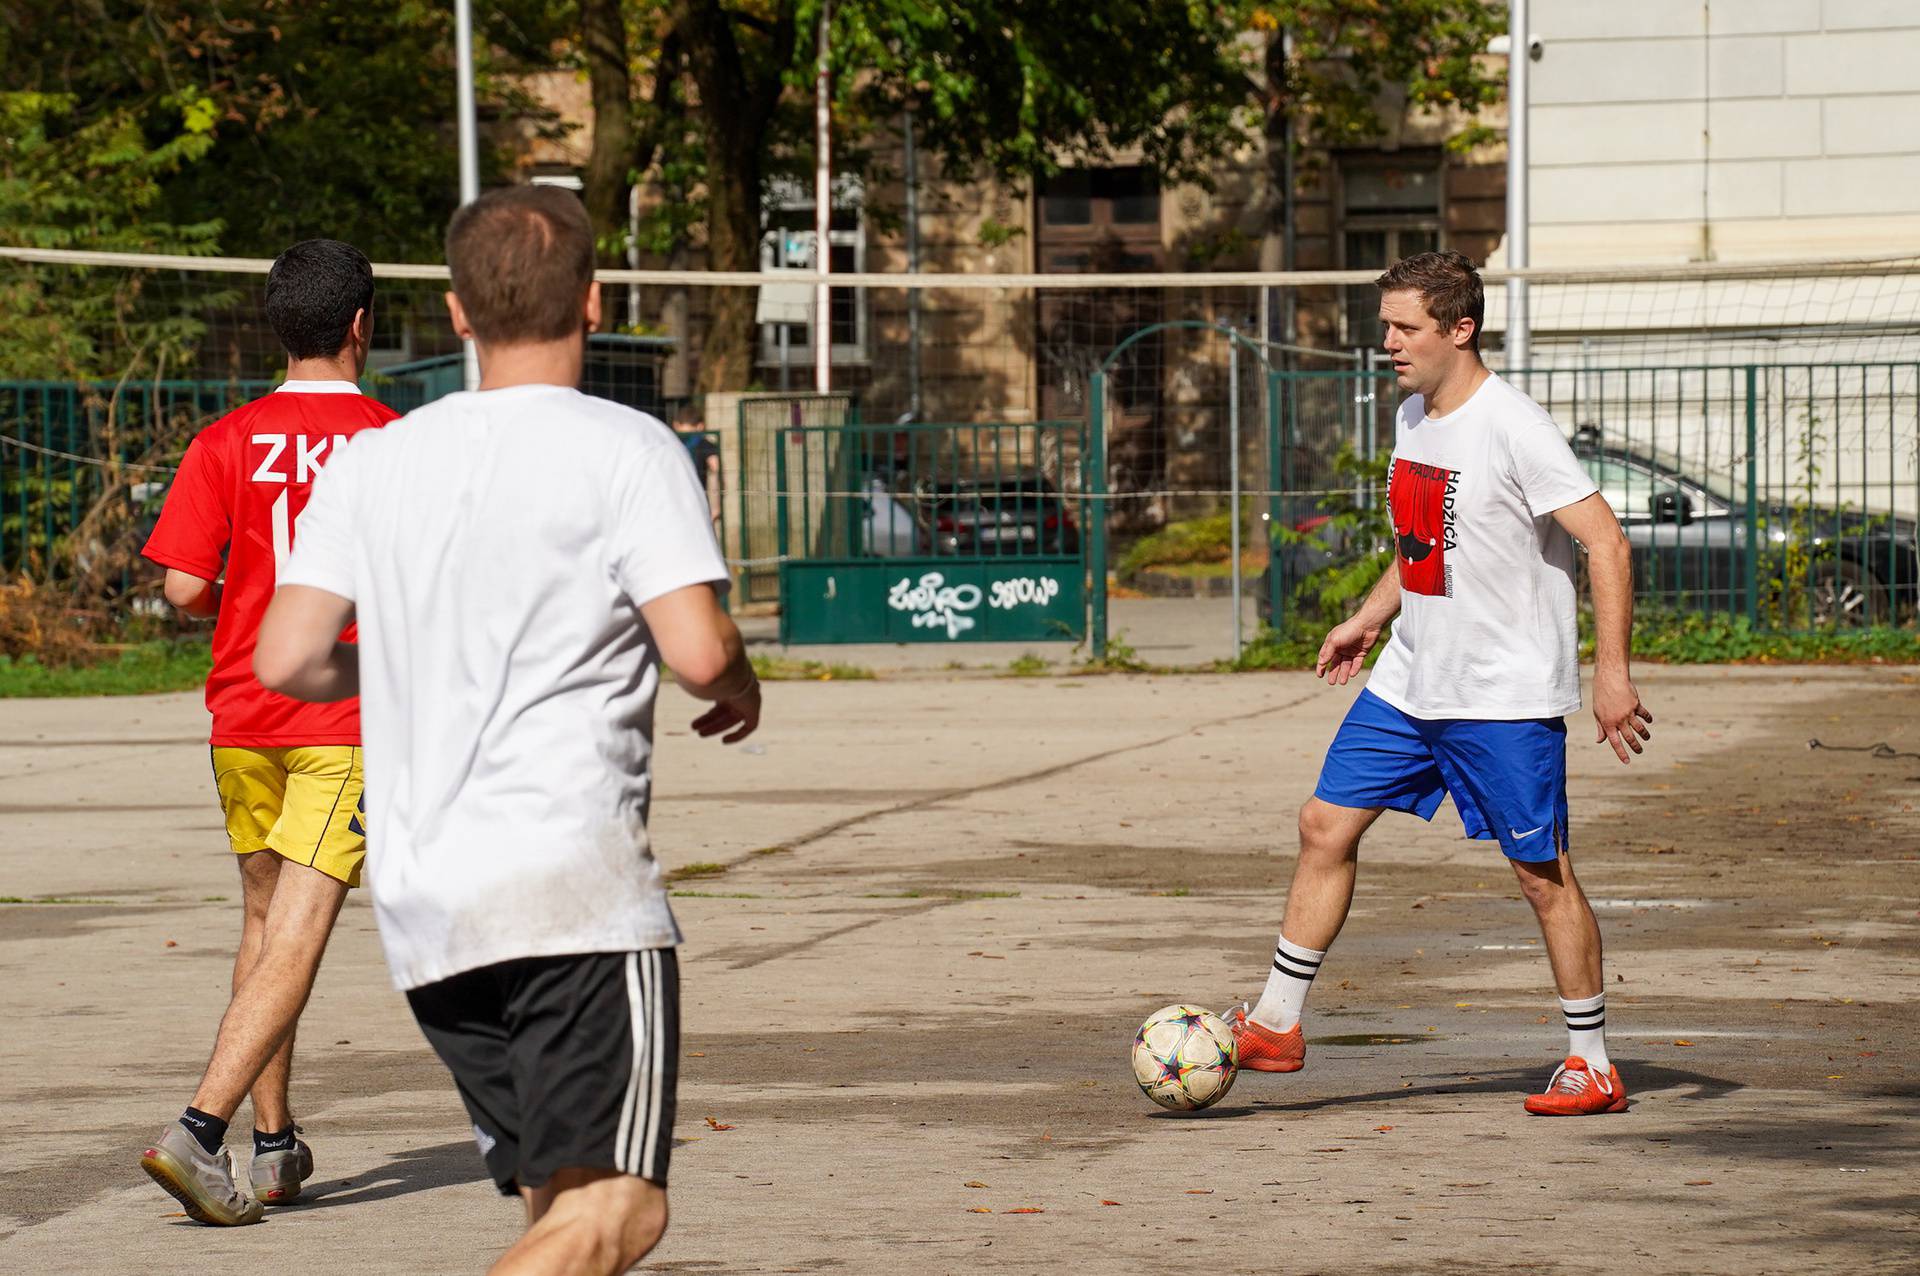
x: 1324, y: 834
x: 1545, y: 885
x: 642, y: 1227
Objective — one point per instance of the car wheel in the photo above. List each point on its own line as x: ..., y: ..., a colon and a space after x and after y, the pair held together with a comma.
x: 1846, y: 595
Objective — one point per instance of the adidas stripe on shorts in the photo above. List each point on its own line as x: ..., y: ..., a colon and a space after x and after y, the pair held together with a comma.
x: 563, y: 1061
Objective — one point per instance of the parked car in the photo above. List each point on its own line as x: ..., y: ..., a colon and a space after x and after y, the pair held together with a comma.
x: 1689, y: 538
x: 1018, y: 515
x: 1688, y: 534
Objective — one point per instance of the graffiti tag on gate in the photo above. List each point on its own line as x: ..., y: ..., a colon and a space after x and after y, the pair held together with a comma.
x: 935, y: 604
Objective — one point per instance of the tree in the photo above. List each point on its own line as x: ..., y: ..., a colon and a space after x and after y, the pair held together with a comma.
x: 323, y: 117
x: 1020, y: 88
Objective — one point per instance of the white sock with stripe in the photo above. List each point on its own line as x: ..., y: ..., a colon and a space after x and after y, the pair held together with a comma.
x: 1587, y: 1029
x: 1286, y: 992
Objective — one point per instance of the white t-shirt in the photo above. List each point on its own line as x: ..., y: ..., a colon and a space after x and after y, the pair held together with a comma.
x: 1487, y: 625
x: 497, y: 546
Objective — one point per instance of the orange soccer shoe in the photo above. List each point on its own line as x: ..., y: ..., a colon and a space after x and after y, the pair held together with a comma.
x: 1262, y: 1048
x: 1577, y: 1090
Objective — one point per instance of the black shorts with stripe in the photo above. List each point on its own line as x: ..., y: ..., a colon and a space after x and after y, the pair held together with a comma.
x: 563, y: 1061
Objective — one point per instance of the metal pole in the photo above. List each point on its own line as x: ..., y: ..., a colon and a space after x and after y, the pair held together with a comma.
x: 822, y: 213
x: 1097, y: 509
x: 1233, y: 475
x: 469, y: 133
x: 1752, y: 564
x: 1519, y: 59
x: 913, y: 267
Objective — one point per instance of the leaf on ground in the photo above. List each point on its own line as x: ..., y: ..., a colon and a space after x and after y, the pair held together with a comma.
x: 172, y: 944
x: 1199, y: 1191
x: 1025, y: 1209
x: 978, y: 1209
x: 973, y: 1183
x: 1381, y: 1129
x: 1682, y: 1041
x: 717, y: 1125
x: 1109, y: 1202
x: 696, y: 1054
x: 1699, y: 1182
x: 1329, y: 1149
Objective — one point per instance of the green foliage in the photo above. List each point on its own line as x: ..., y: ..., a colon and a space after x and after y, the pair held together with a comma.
x: 1295, y: 645
x: 1352, y: 531
x: 1027, y: 665
x: 781, y: 669
x: 74, y: 180
x: 1347, y: 52
x: 1692, y: 638
x: 1198, y: 540
x: 143, y: 670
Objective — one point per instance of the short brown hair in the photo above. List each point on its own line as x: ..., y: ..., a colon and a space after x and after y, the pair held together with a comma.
x: 521, y: 259
x: 1447, y: 282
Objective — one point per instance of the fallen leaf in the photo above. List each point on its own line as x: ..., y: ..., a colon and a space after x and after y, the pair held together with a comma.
x: 1682, y: 1041
x: 1329, y: 1149
x: 1381, y: 1129
x: 717, y: 1125
x: 1199, y: 1191
x: 1025, y: 1209
x: 1699, y: 1182
x: 973, y: 1183
x: 1461, y: 1005
x: 978, y: 1209
x: 172, y: 944
x: 696, y: 1054
x: 1109, y: 1202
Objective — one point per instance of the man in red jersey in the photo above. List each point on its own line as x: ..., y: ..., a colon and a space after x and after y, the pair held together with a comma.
x: 288, y: 773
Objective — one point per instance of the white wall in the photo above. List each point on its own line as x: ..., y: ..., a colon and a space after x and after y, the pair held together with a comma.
x: 1727, y: 130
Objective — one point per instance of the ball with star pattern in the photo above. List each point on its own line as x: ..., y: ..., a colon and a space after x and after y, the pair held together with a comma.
x: 1185, y: 1058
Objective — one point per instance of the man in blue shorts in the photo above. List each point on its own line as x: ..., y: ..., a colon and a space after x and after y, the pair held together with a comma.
x: 1468, y: 697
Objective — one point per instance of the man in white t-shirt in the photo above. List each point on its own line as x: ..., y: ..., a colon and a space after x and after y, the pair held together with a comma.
x: 520, y: 560
x: 1468, y: 697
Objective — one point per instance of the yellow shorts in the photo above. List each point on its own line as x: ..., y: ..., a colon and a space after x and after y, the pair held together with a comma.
x: 302, y: 803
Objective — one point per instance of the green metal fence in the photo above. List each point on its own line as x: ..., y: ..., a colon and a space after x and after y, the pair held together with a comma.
x: 1787, y: 493
x: 931, y: 533
x: 63, y: 442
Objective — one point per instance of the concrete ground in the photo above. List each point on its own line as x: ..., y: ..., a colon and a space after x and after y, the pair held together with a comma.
x: 939, y: 907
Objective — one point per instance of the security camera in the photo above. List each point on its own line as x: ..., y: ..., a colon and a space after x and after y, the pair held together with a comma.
x: 1502, y: 46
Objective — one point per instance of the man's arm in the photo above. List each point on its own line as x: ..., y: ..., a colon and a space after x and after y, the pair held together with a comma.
x: 193, y: 595
x: 1344, y: 653
x: 1621, y: 719
x: 299, y: 652
x: 699, y: 642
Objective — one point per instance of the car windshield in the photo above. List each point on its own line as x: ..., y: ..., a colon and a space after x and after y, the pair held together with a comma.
x: 1631, y: 483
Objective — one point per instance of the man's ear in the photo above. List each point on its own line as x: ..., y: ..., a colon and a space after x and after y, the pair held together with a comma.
x: 593, y: 306
x: 360, y: 332
x: 458, y: 314
x: 1464, y: 332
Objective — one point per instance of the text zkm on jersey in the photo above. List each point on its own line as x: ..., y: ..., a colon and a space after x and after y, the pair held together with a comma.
x: 302, y: 453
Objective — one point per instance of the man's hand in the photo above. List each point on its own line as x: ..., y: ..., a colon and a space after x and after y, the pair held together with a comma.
x: 741, y: 712
x: 1622, y: 720
x: 1344, y: 652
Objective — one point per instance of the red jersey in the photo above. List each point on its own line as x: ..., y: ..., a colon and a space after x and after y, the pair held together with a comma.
x: 237, y: 498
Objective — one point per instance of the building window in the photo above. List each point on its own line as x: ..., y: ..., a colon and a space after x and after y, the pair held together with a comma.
x: 1387, y: 211
x: 1100, y: 220
x: 788, y: 244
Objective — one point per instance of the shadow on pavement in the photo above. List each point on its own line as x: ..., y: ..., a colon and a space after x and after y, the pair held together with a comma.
x: 418, y: 1170
x: 1644, y: 1081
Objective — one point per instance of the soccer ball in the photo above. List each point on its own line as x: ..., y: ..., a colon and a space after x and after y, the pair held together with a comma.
x: 1185, y: 1058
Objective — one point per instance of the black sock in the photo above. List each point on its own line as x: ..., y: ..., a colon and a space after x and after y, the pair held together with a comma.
x: 209, y: 1131
x: 264, y: 1142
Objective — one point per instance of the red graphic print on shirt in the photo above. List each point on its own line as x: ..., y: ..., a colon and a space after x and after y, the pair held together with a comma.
x: 1421, y: 499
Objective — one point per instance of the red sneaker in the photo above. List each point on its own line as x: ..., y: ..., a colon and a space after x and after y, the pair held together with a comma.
x: 1577, y: 1090
x: 1262, y: 1048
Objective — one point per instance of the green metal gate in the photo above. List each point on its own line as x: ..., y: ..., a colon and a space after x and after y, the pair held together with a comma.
x: 931, y: 533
